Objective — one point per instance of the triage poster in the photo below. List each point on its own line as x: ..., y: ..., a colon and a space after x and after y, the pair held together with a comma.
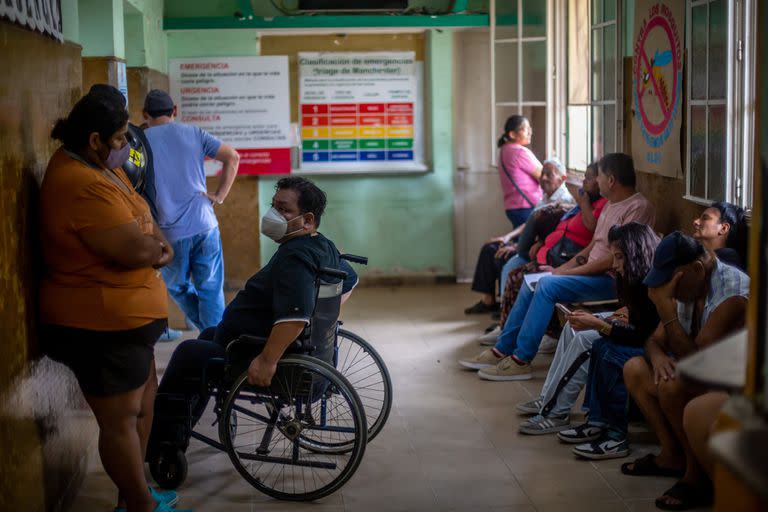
x: 243, y: 101
x: 360, y: 111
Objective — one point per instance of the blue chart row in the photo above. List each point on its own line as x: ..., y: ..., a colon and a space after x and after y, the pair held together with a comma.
x: 355, y: 156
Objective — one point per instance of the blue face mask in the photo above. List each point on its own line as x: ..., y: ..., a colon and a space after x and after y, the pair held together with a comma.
x: 117, y: 157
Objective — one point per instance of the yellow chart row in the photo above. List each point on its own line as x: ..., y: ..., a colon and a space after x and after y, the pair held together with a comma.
x: 355, y: 132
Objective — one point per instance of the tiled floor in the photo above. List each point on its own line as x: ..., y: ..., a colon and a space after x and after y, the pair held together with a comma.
x: 451, y: 442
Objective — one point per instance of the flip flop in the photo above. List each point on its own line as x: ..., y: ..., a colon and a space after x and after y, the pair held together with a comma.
x: 646, y: 466
x: 688, y: 495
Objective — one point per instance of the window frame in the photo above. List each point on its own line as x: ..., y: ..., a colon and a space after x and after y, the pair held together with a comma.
x: 618, y: 97
x: 519, y: 40
x: 740, y: 96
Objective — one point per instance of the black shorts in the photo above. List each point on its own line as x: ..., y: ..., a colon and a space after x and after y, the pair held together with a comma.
x: 104, y: 362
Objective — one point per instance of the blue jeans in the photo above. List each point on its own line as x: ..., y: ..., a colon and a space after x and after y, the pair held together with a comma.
x: 606, y: 395
x: 528, y: 319
x: 515, y: 262
x: 518, y: 216
x: 195, y: 278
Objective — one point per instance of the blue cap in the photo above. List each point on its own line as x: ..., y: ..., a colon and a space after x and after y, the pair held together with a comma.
x: 157, y: 100
x: 674, y: 250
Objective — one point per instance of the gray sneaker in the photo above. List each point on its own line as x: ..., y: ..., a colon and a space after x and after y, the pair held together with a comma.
x: 489, y: 339
x: 548, y: 345
x: 532, y: 407
x: 538, y: 425
x: 485, y: 359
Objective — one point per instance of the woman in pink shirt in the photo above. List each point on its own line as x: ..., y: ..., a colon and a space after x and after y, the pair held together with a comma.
x: 519, y: 170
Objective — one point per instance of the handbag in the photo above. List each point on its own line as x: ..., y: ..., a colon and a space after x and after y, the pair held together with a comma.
x: 563, y: 250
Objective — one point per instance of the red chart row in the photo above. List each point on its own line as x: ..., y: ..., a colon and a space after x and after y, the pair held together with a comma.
x: 356, y: 108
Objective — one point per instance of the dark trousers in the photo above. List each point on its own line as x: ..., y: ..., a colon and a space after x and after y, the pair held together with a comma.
x: 606, y: 395
x: 192, y: 367
x: 187, y: 374
x: 488, y: 269
x: 518, y: 215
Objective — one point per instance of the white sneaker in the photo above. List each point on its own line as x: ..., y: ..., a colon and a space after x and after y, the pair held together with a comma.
x: 489, y: 339
x: 485, y: 359
x: 548, y: 345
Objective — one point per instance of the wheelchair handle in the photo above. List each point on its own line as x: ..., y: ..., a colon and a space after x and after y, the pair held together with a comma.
x: 332, y: 272
x: 362, y: 260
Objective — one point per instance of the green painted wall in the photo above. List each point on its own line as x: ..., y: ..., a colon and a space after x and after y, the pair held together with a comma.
x: 134, y: 40
x: 101, y: 28
x: 146, y: 44
x: 70, y: 21
x: 212, y: 43
x: 402, y: 223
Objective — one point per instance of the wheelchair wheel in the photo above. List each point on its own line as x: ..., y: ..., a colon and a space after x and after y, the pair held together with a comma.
x: 168, y: 466
x: 267, y: 431
x: 364, y: 368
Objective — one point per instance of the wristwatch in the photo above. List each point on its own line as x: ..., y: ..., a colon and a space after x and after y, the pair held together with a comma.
x: 605, y: 330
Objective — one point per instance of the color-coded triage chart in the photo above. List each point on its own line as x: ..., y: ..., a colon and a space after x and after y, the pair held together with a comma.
x: 357, y: 110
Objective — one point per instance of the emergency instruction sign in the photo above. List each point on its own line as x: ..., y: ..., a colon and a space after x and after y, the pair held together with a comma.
x: 243, y: 101
x: 359, y: 111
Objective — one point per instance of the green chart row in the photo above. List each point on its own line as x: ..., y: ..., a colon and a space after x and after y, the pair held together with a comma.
x: 353, y: 144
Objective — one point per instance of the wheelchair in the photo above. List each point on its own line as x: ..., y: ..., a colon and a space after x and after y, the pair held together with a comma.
x: 301, y: 438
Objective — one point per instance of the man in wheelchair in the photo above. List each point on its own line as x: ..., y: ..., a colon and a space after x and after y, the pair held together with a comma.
x: 276, y: 304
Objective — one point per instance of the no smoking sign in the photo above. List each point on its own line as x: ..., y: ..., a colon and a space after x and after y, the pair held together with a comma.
x: 657, y: 75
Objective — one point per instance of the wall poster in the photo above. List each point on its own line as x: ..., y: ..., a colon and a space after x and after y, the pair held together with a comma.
x: 360, y: 111
x: 657, y: 86
x: 244, y: 101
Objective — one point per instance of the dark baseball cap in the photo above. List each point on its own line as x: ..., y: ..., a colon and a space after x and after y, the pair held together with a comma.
x: 674, y: 250
x: 157, y: 100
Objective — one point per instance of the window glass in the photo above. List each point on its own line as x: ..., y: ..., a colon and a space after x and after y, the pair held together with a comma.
x: 716, y: 152
x: 698, y: 52
x: 506, y: 72
x: 534, y: 18
x: 718, y: 49
x: 537, y: 116
x: 609, y: 129
x: 698, y: 127
x: 597, y: 11
x: 578, y: 137
x: 534, y: 71
x: 609, y: 47
x: 609, y: 10
x: 506, y: 19
x: 597, y: 65
x: 598, y: 148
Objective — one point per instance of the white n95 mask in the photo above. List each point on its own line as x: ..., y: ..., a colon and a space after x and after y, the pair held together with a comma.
x: 275, y: 226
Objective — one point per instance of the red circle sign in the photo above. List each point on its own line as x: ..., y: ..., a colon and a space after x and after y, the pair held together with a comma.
x: 642, y: 62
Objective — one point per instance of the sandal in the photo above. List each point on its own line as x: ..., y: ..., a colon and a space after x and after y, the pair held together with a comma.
x: 688, y: 496
x: 646, y: 466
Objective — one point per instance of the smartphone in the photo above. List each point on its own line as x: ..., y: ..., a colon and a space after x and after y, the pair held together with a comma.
x: 562, y: 308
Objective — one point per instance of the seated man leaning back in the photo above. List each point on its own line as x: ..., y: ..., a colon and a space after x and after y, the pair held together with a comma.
x: 276, y: 303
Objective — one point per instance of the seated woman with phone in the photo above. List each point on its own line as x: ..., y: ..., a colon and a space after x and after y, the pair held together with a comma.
x: 632, y: 246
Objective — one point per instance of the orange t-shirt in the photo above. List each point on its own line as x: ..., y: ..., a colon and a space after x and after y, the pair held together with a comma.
x: 81, y: 288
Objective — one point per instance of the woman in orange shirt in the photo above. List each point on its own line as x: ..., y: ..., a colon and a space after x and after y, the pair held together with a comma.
x: 102, y: 300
